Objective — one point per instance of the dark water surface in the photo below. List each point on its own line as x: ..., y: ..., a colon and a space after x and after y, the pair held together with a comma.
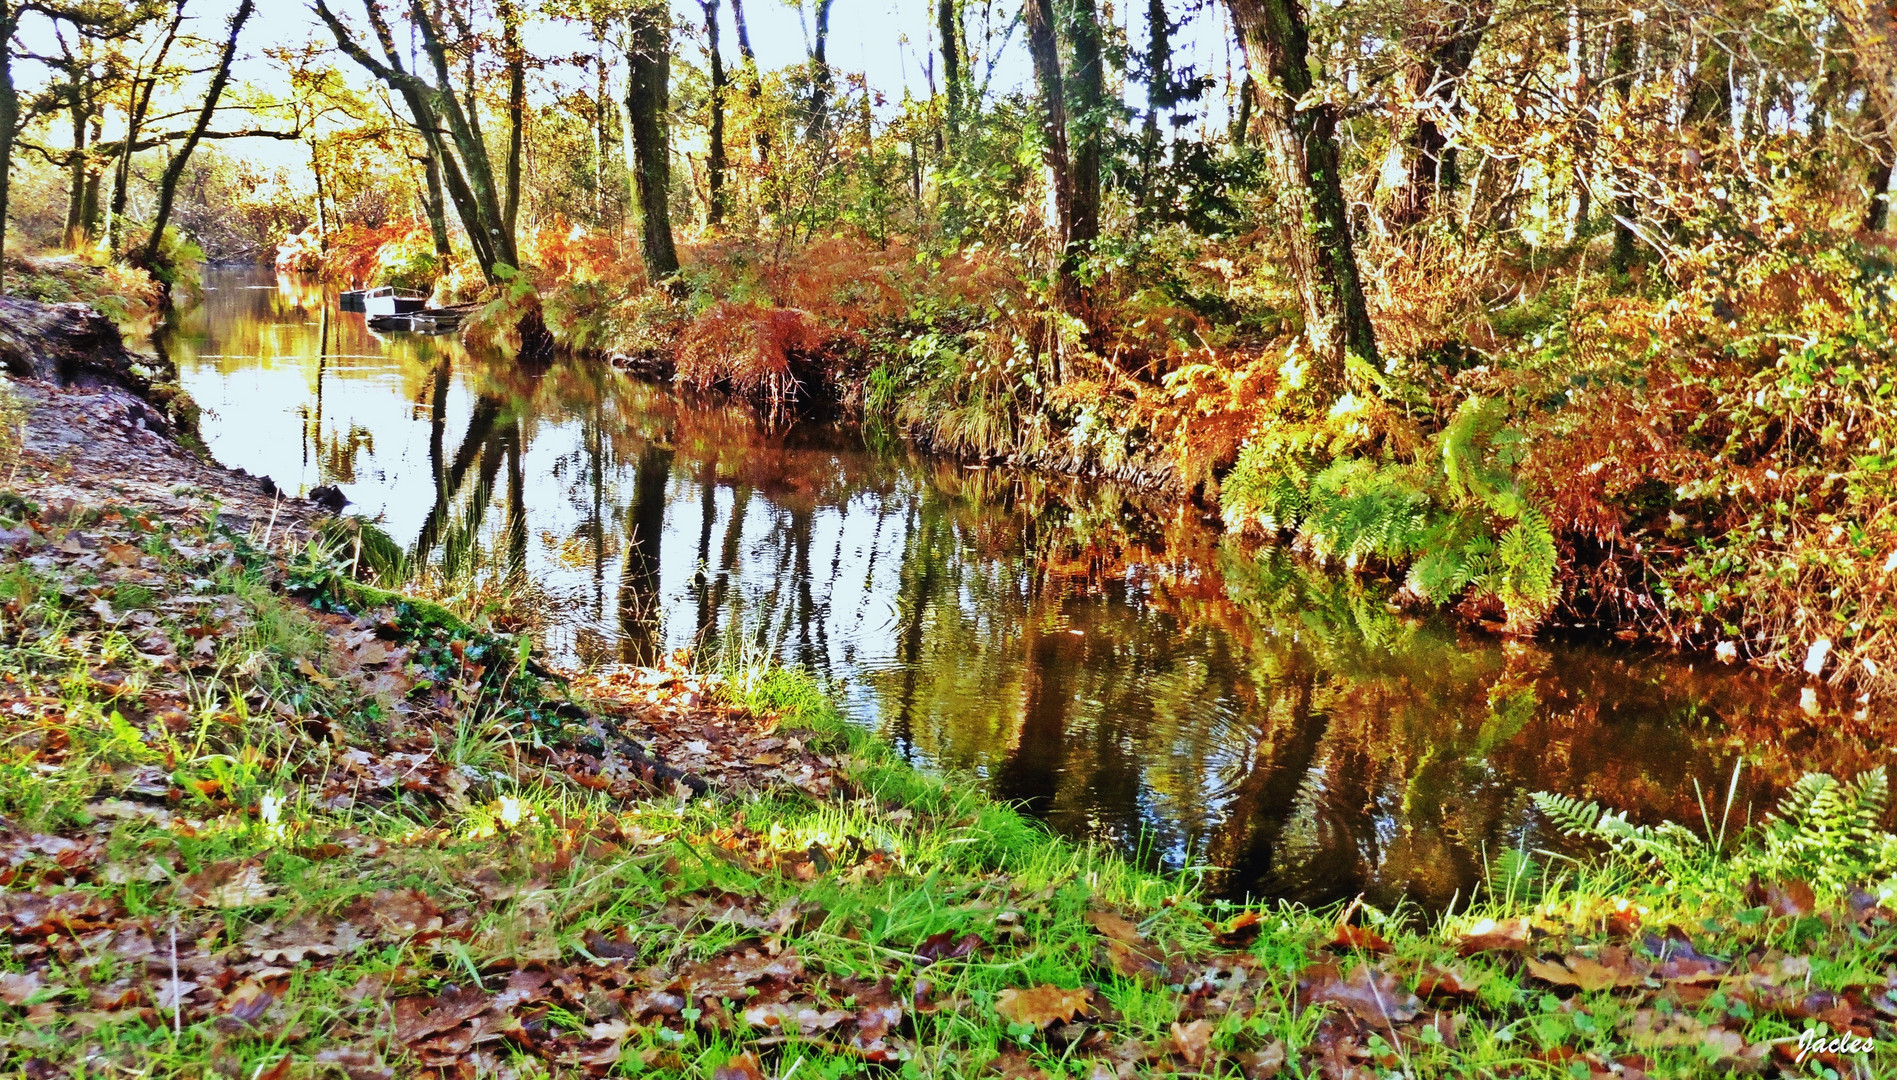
x: 1108, y: 661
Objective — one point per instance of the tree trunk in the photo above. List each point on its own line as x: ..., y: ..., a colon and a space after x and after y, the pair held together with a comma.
x: 820, y: 70
x: 1087, y: 122
x: 75, y: 236
x: 1045, y: 50
x: 436, y: 109
x: 168, y: 185
x: 715, y: 158
x: 516, y: 112
x: 1303, y: 148
x: 649, y: 58
x: 434, y: 202
x: 9, y: 124
x: 1872, y: 27
x: 1241, y: 124
x: 1158, y: 90
x: 1620, y: 68
x: 948, y: 19
x: 754, y: 86
x: 1882, y: 171
x: 1432, y: 161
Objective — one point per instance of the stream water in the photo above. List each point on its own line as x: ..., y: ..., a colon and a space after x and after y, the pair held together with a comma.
x: 1109, y: 662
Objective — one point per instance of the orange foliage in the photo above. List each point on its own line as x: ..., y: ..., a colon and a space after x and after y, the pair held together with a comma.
x: 748, y: 347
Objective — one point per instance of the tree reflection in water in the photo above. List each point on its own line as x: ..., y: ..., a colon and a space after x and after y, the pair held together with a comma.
x: 1107, y: 661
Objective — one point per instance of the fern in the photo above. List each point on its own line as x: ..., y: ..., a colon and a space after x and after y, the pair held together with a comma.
x: 1525, y: 566
x: 1830, y: 831
x: 1824, y: 831
x: 1668, y: 844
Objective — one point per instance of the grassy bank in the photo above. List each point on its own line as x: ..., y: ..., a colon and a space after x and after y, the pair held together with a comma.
x: 260, y: 822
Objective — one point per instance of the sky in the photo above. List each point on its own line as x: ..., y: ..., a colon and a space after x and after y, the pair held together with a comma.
x: 888, y: 40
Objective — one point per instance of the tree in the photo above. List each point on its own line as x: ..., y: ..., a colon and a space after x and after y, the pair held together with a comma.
x: 715, y: 155
x: 516, y: 59
x: 1302, y: 146
x: 444, y: 123
x: 1044, y: 48
x: 1444, y: 63
x: 648, y: 100
x: 948, y: 17
x: 168, y: 186
x: 820, y: 76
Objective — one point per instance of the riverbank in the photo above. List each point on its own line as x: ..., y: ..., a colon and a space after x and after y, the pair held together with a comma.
x: 260, y: 819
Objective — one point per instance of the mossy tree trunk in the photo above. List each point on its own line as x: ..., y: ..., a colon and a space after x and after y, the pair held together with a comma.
x: 1302, y: 145
x: 648, y: 97
x: 715, y: 155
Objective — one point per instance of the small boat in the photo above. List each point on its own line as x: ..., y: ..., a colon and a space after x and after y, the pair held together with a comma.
x: 386, y: 301
x: 382, y: 300
x: 426, y: 321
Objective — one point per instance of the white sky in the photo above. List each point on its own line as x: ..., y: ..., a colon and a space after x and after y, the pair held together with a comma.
x: 888, y: 40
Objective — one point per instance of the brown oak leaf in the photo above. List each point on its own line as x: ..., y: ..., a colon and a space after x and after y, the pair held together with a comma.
x: 1042, y: 1005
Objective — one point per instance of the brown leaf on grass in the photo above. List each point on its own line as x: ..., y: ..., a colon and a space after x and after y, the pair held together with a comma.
x: 1613, y: 969
x: 1238, y: 931
x: 742, y: 1067
x: 729, y: 975
x: 1358, y: 937
x: 1491, y: 936
x: 946, y: 946
x: 1042, y: 1005
x: 1368, y: 994
x: 1192, y: 1041
x: 1450, y: 981
x: 1113, y: 926
x: 1131, y: 962
x: 416, y: 1018
x: 16, y: 988
x: 122, y: 554
x: 1680, y: 962
x: 795, y: 1017
x: 1787, y: 899
x: 357, y: 1063
x: 396, y: 913
x: 237, y: 883
x: 248, y: 1002
x: 1263, y: 1064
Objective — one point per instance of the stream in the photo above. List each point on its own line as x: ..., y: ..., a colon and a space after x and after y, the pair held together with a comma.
x: 1107, y: 661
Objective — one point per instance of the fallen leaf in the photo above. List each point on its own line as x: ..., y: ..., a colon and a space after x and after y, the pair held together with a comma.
x: 1192, y: 1040
x: 946, y: 946
x: 1042, y: 1005
x: 1489, y: 936
x: 16, y: 988
x: 1358, y: 937
x: 1263, y: 1064
x: 1439, y: 981
x: 417, y: 1018
x: 1368, y: 994
x: 122, y: 554
x: 1239, y: 931
x: 237, y: 883
x: 742, y: 1067
x: 1612, y: 970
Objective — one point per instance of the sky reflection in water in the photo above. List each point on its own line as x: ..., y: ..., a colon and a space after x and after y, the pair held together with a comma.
x: 1106, y: 661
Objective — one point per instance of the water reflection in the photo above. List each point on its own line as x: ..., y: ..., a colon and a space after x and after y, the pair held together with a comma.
x: 1107, y: 662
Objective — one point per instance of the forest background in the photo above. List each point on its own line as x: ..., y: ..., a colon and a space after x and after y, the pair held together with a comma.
x: 1568, y: 316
